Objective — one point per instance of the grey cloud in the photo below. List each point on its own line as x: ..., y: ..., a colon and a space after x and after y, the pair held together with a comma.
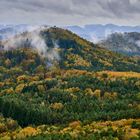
x: 69, y: 11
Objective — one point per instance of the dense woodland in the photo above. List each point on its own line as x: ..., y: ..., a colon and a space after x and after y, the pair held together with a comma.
x: 90, y: 93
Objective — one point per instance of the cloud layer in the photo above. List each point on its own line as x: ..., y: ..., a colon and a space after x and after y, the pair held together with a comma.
x: 68, y: 12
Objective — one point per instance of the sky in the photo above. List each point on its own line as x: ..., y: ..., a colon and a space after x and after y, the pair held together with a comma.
x: 70, y: 12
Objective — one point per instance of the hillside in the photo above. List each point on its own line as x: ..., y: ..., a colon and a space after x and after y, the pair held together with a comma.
x: 63, y: 90
x: 70, y: 51
x: 127, y: 43
x: 127, y: 129
x: 81, y: 54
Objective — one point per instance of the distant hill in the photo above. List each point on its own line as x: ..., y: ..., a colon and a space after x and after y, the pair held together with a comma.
x: 7, y: 31
x: 97, y: 32
x: 92, y: 32
x: 127, y: 43
x: 124, y: 39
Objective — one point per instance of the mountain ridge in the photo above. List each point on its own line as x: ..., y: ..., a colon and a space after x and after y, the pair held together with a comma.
x: 97, y: 32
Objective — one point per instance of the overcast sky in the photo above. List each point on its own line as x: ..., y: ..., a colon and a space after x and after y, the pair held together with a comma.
x: 70, y: 12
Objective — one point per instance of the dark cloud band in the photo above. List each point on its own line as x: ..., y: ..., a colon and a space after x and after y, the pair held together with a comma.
x: 69, y: 11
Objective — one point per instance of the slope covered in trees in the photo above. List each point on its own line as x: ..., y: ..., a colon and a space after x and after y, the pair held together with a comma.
x: 86, y: 84
x: 126, y: 43
x: 80, y: 54
x: 122, y: 129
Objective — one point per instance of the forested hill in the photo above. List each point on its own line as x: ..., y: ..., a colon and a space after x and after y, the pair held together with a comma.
x: 67, y: 51
x: 80, y: 54
x: 61, y: 90
x: 126, y: 43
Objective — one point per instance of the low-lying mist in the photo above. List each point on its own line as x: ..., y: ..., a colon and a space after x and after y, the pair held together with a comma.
x: 33, y: 39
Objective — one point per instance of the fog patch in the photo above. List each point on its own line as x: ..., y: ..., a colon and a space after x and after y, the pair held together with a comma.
x: 32, y: 38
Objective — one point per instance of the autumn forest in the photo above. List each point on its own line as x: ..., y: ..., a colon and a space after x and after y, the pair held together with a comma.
x: 78, y: 90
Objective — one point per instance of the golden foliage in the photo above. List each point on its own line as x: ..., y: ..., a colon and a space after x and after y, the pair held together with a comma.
x: 96, y: 93
x: 19, y: 88
x: 73, y: 96
x: 75, y: 124
x: 6, y: 138
x: 75, y: 72
x: 8, y: 82
x: 57, y: 106
x: 78, y: 60
x: 22, y: 78
x: 41, y: 88
x: 73, y: 89
x: 120, y: 74
x: 108, y: 95
x: 104, y: 62
x: 75, y: 129
x: 11, y: 124
x: 1, y: 84
x: 3, y: 128
x: 7, y: 62
x: 3, y: 69
x: 10, y: 91
x: 40, y: 69
x: 26, y: 132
